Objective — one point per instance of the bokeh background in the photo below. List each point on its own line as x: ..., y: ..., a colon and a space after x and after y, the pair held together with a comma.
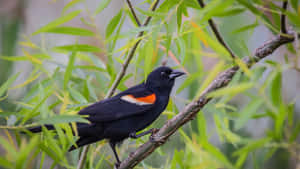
x: 20, y: 18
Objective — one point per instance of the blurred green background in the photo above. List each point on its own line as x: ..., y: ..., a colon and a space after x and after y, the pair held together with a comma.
x: 58, y: 56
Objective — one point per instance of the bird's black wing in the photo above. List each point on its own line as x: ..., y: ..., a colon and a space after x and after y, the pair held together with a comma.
x: 121, y: 105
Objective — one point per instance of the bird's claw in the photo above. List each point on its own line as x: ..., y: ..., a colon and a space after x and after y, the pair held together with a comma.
x: 154, y: 130
x: 156, y: 140
x: 117, y: 165
x: 132, y: 135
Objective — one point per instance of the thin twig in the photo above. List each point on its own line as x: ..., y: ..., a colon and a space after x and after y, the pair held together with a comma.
x: 130, y: 55
x: 191, y: 110
x: 120, y: 75
x: 218, y: 35
x: 282, y: 18
x: 133, y: 13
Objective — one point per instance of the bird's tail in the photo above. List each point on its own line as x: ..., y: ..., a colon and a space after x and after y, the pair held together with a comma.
x: 38, y: 129
x: 84, y: 141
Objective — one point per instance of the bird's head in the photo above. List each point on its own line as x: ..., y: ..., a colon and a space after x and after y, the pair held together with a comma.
x: 162, y: 78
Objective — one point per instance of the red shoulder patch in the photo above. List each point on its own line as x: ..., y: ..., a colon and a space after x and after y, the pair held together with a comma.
x: 150, y: 99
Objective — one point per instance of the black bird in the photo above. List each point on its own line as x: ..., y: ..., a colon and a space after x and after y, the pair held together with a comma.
x: 126, y: 113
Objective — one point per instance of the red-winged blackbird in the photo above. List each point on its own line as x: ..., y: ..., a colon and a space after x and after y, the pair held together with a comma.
x: 128, y: 112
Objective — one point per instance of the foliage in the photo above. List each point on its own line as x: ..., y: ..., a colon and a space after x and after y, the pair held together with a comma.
x: 179, y: 34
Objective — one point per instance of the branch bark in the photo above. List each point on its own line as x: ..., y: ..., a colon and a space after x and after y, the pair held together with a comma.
x: 195, y: 106
x: 121, y: 74
x: 133, y: 13
x: 215, y: 30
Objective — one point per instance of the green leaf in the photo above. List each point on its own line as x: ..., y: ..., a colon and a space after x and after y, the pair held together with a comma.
x: 202, y: 127
x: 51, y: 142
x: 71, y: 31
x: 5, y: 163
x: 91, y: 90
x: 217, y: 153
x: 69, y: 69
x: 295, y: 133
x: 78, y: 48
x: 113, y: 24
x: 90, y: 67
x: 58, y: 22
x: 231, y: 90
x: 61, y: 136
x: 103, y: 4
x: 247, y: 112
x: 253, y: 145
x: 148, y: 57
x: 179, y: 15
x: 275, y: 89
x: 215, y: 7
x: 279, y: 121
x: 70, y: 4
x: 295, y: 4
x: 211, y: 76
x: 188, y: 81
x: 14, y: 58
x: 8, y: 83
x: 77, y: 95
x: 151, y: 13
x: 62, y: 119
x: 47, y: 149
x: 8, y: 147
x: 27, y: 151
x: 246, y: 28
x: 294, y: 18
x: 230, y: 12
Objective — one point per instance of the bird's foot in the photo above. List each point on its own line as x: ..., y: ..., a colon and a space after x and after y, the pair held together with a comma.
x: 117, y: 165
x: 157, y: 140
x: 133, y: 135
x: 154, y: 130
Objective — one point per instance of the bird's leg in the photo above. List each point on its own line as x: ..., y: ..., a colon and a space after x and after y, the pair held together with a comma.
x: 113, y: 147
x: 134, y: 135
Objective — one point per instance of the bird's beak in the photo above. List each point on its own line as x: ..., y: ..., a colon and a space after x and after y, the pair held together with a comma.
x: 176, y: 74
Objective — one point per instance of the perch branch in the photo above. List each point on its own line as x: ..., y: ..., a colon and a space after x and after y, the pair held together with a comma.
x: 190, y: 111
x: 121, y: 74
x: 215, y: 30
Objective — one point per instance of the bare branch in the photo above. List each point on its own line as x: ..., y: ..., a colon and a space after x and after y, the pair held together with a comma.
x: 120, y: 74
x: 190, y: 111
x: 282, y: 17
x: 215, y: 30
x: 133, y: 13
x: 130, y: 55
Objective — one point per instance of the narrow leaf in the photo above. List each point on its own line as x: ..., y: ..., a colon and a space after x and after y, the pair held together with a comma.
x: 57, y: 22
x: 78, y: 48
x: 6, y: 84
x: 69, y: 69
x: 275, y: 89
x: 231, y: 90
x: 70, y: 4
x: 113, y: 24
x: 103, y: 4
x: 71, y: 31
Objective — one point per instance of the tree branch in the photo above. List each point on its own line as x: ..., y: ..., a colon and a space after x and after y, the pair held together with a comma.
x: 195, y: 106
x: 215, y: 30
x: 130, y: 55
x: 121, y: 73
x: 282, y: 17
x: 133, y: 13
